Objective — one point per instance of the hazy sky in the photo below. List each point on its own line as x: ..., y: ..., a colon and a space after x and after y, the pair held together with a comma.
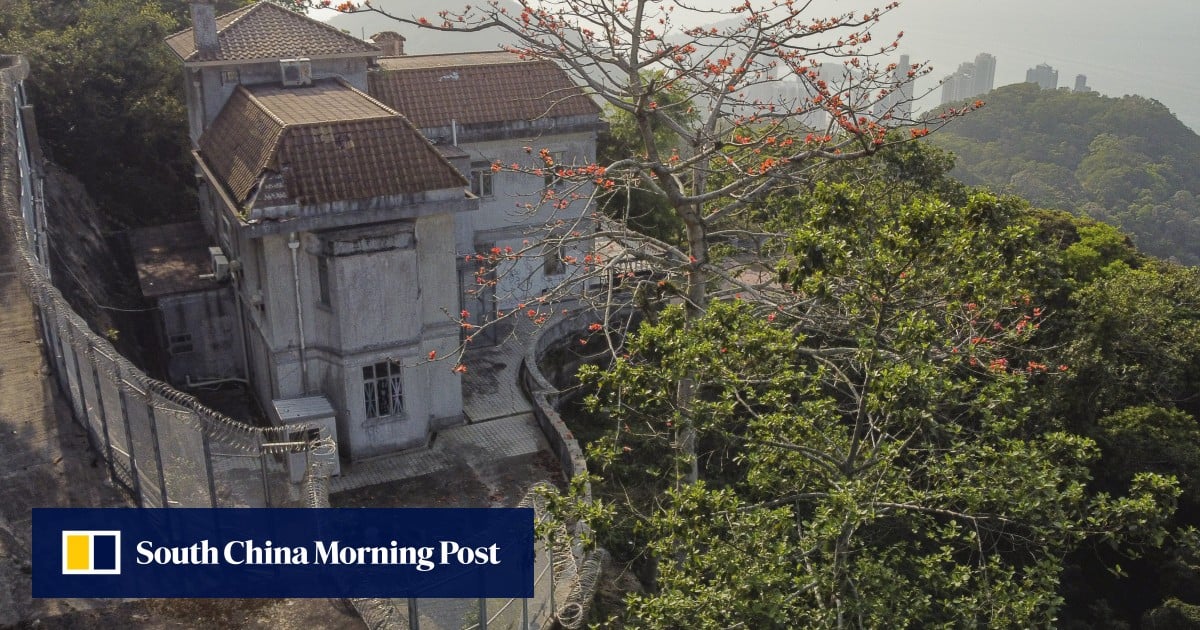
x: 1145, y: 47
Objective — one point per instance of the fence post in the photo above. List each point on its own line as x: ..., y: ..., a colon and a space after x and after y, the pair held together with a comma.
x: 133, y: 466
x: 79, y: 405
x: 208, y: 467
x: 162, y: 477
x: 108, y: 450
x: 262, y: 466
x: 550, y: 557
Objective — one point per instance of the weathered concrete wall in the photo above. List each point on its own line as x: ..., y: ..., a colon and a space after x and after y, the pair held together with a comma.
x: 213, y: 347
x: 545, y: 394
x: 392, y: 291
x: 500, y: 211
x: 503, y: 221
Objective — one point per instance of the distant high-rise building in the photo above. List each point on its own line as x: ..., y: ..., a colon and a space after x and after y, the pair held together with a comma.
x: 899, y: 101
x: 971, y: 79
x: 985, y: 74
x: 951, y: 88
x: 1081, y: 83
x: 1044, y: 75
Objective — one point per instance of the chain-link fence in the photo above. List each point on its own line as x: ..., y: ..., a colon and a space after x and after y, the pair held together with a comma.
x: 564, y: 583
x: 168, y: 450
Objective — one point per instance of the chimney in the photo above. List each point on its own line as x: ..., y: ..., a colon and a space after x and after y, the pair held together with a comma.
x: 204, y: 28
x: 390, y: 42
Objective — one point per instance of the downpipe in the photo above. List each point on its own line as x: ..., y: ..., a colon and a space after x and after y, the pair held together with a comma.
x: 294, y: 245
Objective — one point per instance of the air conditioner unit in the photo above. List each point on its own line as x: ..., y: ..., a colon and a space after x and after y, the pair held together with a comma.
x: 296, y: 71
x: 220, y: 263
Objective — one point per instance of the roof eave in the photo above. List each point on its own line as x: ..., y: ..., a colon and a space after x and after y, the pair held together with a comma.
x: 227, y: 62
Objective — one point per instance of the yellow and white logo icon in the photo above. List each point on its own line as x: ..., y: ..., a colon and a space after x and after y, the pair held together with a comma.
x: 91, y: 553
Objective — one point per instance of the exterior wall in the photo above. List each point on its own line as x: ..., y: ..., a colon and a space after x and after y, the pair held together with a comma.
x: 501, y: 222
x: 390, y: 288
x: 200, y: 332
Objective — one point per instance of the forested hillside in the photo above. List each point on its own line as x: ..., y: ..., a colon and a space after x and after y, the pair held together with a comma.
x: 1126, y: 161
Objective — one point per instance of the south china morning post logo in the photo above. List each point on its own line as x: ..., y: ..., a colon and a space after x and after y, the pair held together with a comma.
x: 283, y: 552
x: 91, y: 552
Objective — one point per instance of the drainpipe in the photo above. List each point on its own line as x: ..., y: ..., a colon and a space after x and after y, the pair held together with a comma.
x: 241, y: 309
x: 454, y: 132
x: 294, y: 245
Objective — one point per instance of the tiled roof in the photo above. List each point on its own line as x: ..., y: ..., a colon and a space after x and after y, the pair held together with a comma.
x: 171, y: 258
x: 329, y: 142
x: 475, y: 88
x: 269, y: 31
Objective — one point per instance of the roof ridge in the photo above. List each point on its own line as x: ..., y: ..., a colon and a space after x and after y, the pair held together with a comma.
x: 244, y: 9
x: 248, y: 10
x: 262, y: 106
x: 295, y: 15
x: 268, y: 12
x: 339, y: 31
x: 465, y: 52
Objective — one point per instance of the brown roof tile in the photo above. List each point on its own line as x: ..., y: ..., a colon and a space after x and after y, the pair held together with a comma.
x: 269, y: 31
x: 475, y: 88
x: 329, y: 141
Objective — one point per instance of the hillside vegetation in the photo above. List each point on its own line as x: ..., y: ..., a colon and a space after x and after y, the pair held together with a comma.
x: 1126, y: 161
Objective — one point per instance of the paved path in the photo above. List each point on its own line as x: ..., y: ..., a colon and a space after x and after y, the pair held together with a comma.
x: 472, y: 445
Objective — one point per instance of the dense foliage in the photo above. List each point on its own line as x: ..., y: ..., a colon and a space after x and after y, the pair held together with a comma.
x: 1126, y: 161
x: 108, y: 97
x: 987, y: 417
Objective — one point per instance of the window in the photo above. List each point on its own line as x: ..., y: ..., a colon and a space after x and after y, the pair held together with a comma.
x: 552, y: 260
x: 550, y: 179
x: 481, y: 182
x: 229, y: 77
x: 382, y: 394
x: 179, y: 344
x: 323, y: 281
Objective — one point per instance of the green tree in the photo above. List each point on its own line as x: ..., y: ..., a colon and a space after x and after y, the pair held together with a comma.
x: 1135, y: 339
x: 873, y: 462
x: 106, y: 93
x: 106, y: 96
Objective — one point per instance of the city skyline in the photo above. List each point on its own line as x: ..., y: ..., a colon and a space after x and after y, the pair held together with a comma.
x: 1144, y: 49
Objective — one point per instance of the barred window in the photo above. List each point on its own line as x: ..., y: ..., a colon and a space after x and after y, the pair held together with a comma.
x: 552, y: 259
x: 323, y: 293
x: 481, y: 182
x: 180, y: 344
x: 382, y: 393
